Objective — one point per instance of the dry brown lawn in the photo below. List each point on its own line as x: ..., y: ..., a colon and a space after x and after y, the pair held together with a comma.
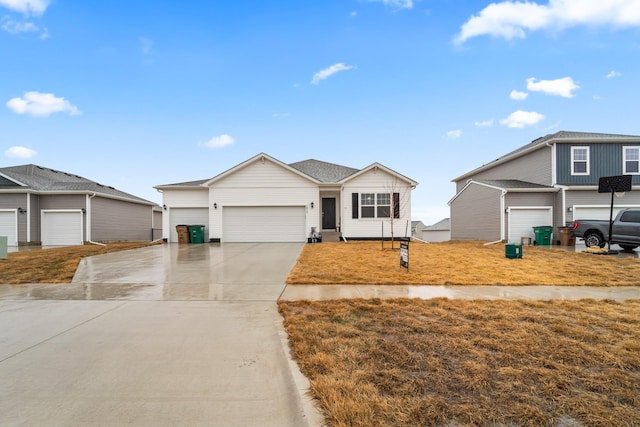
x: 470, y: 363
x: 54, y: 265
x: 458, y: 263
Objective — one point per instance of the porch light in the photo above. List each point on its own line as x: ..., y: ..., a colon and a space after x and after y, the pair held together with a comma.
x: 311, y: 205
x: 215, y: 206
x: 22, y: 210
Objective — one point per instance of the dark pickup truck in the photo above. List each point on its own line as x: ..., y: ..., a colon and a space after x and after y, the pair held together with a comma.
x: 625, y: 230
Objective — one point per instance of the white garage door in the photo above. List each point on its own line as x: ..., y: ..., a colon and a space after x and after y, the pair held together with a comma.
x: 9, y: 227
x: 62, y: 228
x: 188, y: 216
x: 595, y: 212
x: 522, y: 221
x: 264, y: 224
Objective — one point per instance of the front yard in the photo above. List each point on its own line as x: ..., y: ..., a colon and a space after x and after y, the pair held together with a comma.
x: 458, y: 263
x: 409, y: 362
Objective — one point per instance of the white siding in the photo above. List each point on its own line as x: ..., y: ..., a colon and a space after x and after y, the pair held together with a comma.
x: 262, y: 184
x: 185, y: 198
x: 376, y: 181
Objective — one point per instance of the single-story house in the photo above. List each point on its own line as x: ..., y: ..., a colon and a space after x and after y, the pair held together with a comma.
x: 438, y: 232
x: 416, y: 229
x: 42, y: 206
x: 265, y: 200
x: 549, y: 182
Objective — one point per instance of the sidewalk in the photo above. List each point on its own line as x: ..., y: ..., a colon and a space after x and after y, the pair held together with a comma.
x: 327, y: 292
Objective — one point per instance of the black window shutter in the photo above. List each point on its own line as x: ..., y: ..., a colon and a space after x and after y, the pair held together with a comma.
x: 354, y: 205
x: 396, y: 205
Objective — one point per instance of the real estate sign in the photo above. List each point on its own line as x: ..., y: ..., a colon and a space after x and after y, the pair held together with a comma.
x: 404, y: 255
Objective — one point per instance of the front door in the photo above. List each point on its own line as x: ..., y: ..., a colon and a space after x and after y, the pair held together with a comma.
x: 328, y: 213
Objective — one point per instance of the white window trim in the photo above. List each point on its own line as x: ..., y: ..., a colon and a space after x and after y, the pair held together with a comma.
x: 624, y: 159
x: 375, y: 206
x: 573, y: 160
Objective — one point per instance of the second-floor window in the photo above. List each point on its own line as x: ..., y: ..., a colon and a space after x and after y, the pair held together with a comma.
x: 579, y: 160
x: 631, y: 160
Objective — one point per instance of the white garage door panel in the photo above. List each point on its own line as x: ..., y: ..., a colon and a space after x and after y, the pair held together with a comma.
x: 62, y: 228
x: 522, y: 221
x: 264, y: 224
x: 8, y: 227
x: 188, y: 216
x: 600, y: 212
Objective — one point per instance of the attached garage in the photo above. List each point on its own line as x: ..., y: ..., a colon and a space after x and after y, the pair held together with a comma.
x: 522, y: 220
x: 264, y: 224
x: 9, y: 226
x: 595, y: 212
x: 188, y: 216
x: 62, y: 228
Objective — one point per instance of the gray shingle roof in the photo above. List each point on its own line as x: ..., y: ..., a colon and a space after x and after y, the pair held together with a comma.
x: 323, y: 171
x: 440, y: 225
x: 45, y: 180
x: 512, y: 184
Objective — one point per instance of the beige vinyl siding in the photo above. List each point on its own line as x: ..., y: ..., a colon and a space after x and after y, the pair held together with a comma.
x: 535, y: 167
x: 117, y: 220
x: 475, y: 214
x: 376, y: 181
x: 260, y: 185
x: 15, y: 201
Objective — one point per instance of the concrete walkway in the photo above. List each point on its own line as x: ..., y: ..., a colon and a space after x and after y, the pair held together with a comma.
x: 328, y: 292
x: 161, y: 336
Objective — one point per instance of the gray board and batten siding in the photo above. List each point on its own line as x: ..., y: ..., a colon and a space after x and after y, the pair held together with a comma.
x: 604, y: 160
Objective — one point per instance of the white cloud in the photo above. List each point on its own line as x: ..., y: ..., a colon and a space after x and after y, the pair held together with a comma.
x: 328, y: 72
x: 13, y: 27
x: 561, y: 87
x: 220, y: 141
x: 612, y: 74
x: 20, y: 152
x: 454, y: 134
x: 519, y: 119
x: 41, y: 105
x: 484, y: 124
x: 396, y: 4
x: 27, y: 7
x: 518, y: 96
x: 513, y: 19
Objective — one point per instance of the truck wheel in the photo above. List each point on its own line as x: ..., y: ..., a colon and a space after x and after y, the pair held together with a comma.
x: 628, y: 248
x: 594, y: 239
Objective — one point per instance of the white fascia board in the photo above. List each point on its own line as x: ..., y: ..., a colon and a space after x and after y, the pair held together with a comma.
x: 372, y: 166
x: 259, y: 157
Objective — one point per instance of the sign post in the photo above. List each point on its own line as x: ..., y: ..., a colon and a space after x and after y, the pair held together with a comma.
x: 613, y: 184
x: 404, y: 255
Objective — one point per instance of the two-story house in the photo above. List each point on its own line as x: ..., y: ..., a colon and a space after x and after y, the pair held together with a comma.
x: 551, y: 181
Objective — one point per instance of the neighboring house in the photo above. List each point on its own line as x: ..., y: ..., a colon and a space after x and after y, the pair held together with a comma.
x: 416, y: 229
x: 551, y: 181
x: 438, y: 232
x: 43, y: 206
x: 265, y: 200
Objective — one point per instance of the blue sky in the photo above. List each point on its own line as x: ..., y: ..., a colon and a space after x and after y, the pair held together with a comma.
x: 141, y: 93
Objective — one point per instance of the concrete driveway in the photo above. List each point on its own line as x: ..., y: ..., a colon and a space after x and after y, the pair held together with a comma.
x: 165, y: 335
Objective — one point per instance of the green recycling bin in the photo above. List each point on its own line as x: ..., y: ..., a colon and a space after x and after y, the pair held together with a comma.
x: 543, y: 235
x: 196, y: 233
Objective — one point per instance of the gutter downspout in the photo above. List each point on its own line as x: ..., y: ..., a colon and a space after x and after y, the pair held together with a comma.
x: 88, y: 221
x: 502, y: 221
